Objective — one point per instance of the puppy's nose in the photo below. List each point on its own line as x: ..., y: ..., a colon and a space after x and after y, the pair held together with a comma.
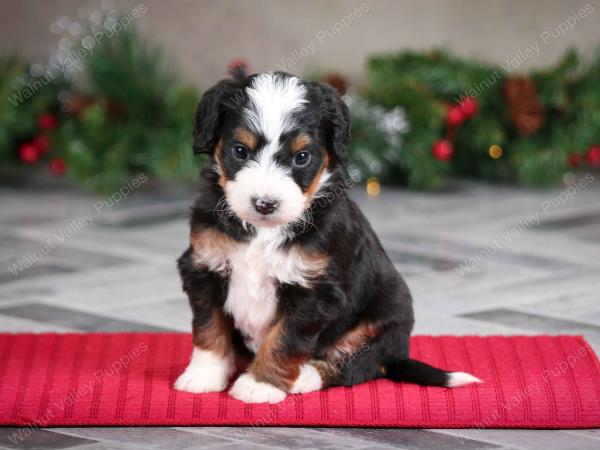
x: 265, y: 205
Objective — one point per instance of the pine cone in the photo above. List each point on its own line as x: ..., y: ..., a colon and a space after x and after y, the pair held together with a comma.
x: 524, y: 107
x: 338, y: 81
x: 77, y: 104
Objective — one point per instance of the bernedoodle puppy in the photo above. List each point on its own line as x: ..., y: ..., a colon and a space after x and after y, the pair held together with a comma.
x: 284, y: 273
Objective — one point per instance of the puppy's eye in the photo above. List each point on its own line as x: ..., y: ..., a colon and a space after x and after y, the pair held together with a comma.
x: 301, y: 159
x: 239, y: 151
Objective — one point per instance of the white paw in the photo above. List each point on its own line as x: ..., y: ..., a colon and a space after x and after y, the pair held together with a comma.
x: 248, y: 390
x: 308, y: 380
x: 206, y: 372
x: 459, y: 379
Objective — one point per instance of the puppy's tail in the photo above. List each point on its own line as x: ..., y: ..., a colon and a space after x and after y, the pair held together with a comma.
x: 413, y: 371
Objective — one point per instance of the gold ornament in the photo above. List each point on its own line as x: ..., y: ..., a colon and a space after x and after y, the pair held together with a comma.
x: 495, y: 151
x: 373, y: 187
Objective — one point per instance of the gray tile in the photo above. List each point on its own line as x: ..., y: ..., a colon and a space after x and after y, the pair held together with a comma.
x: 55, y: 251
x: 533, y: 322
x: 588, y: 218
x: 409, y: 438
x: 290, y: 438
x: 23, y: 292
x: 528, y: 260
x: 590, y: 434
x: 11, y: 241
x: 74, y: 319
x: 115, y: 290
x: 529, y: 439
x: 147, y: 437
x: 105, y: 446
x: 435, y: 322
x: 16, y: 271
x: 478, y: 296
x: 588, y: 233
x: 464, y: 250
x: 379, y: 447
x: 244, y: 446
x: 432, y: 262
x: 86, y: 258
x: 582, y: 302
x: 173, y: 314
x: 37, y: 439
x: 11, y: 324
x: 146, y: 215
x: 29, y: 218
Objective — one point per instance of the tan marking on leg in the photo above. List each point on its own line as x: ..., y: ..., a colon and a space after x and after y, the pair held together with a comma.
x: 272, y: 365
x: 213, y: 357
x: 215, y: 336
x: 351, y: 343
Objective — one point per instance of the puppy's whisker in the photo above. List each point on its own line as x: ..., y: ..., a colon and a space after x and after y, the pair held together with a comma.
x: 305, y: 221
x: 222, y: 212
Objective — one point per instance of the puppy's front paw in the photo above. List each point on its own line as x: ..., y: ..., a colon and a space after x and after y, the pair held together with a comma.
x: 205, y: 373
x: 248, y: 390
x: 308, y: 380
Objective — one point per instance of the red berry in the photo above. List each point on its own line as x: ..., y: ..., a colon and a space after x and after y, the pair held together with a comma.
x: 454, y: 116
x: 593, y: 156
x: 469, y: 107
x: 29, y: 153
x: 57, y: 166
x: 47, y: 121
x: 574, y: 160
x: 41, y: 143
x: 442, y: 150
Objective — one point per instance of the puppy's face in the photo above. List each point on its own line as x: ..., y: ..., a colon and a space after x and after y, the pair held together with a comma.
x: 275, y: 141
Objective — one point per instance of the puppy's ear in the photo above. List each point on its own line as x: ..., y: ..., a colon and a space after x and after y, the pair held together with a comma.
x: 336, y: 123
x: 208, y: 117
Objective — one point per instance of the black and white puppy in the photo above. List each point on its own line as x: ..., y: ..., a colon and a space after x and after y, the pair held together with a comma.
x: 283, y: 271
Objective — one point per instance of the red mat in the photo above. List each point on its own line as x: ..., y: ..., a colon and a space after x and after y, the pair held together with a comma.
x: 126, y: 379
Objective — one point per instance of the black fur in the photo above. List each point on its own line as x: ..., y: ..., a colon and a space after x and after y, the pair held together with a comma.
x: 360, y: 285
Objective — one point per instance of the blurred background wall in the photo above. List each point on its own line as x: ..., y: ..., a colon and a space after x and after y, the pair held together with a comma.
x: 202, y: 37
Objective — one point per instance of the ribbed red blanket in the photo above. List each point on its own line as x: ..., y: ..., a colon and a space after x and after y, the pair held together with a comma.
x: 126, y: 378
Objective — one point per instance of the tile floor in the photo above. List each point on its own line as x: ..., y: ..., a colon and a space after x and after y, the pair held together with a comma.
x: 479, y: 259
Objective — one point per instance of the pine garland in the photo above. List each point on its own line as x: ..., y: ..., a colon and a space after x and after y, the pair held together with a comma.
x: 130, y: 116
x: 421, y: 118
x: 531, y: 128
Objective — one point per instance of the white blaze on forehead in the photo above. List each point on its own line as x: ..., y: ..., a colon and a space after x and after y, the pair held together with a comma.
x: 272, y: 100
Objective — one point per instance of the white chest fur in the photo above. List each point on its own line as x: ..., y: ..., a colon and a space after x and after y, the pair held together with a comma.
x: 255, y: 270
x: 252, y: 295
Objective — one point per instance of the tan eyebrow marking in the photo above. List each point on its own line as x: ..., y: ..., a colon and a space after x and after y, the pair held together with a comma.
x: 300, y: 142
x: 246, y: 137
